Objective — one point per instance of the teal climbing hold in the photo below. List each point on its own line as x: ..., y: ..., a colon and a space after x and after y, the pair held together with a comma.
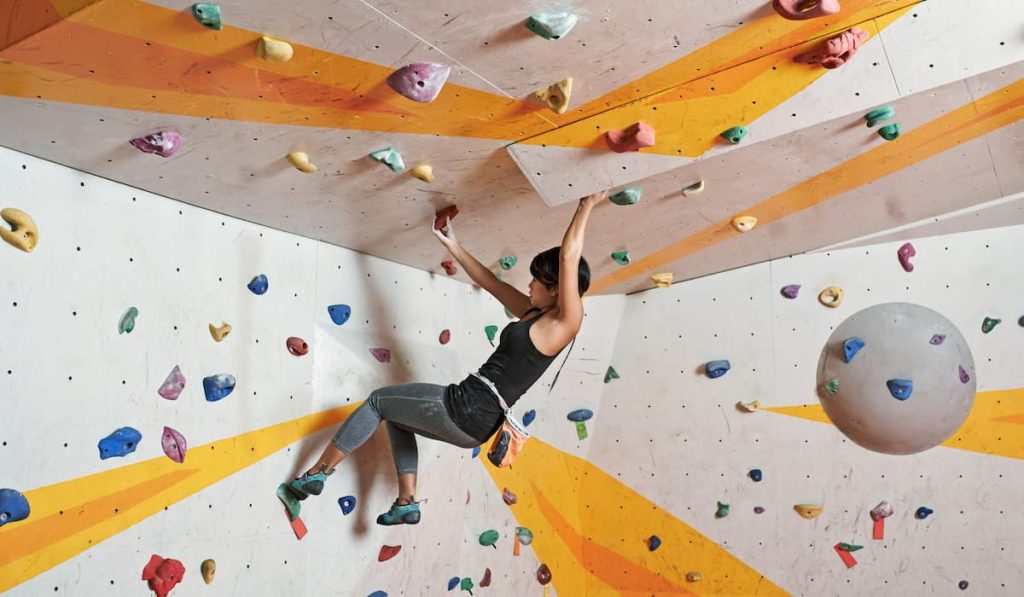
x: 626, y: 196
x: 621, y: 257
x: 491, y: 331
x: 890, y: 132
x: 127, y: 322
x: 552, y: 24
x: 722, y: 511
x: 989, y: 324
x: 735, y: 134
x: 610, y: 374
x: 525, y: 535
x: 508, y: 263
x: 208, y: 15
x: 878, y: 115
x: 390, y: 158
x: 489, y: 538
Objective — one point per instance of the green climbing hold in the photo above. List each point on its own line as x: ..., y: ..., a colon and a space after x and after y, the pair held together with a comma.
x: 626, y: 196
x: 849, y: 547
x: 390, y: 158
x: 611, y: 374
x: 832, y: 387
x: 491, y: 331
x: 127, y: 322
x: 208, y: 15
x: 735, y: 134
x: 621, y: 257
x: 525, y: 535
x: 986, y: 326
x: 508, y: 263
x: 489, y: 538
x: 581, y: 430
x: 878, y: 115
x: 552, y: 24
x: 467, y: 585
x: 723, y: 510
x: 890, y: 132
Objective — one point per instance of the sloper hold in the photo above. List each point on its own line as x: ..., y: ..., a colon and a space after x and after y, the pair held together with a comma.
x: 390, y: 158
x: 851, y: 346
x: 735, y: 134
x: 555, y: 96
x: 626, y: 196
x: 900, y: 388
x: 716, y: 369
x: 119, y: 443
x: 525, y: 535
x: 297, y: 346
x: 453, y: 582
x: 161, y: 143
x: 621, y: 257
x: 347, y: 504
x: 441, y: 217
x: 581, y: 414
x: 300, y: 159
x: 508, y: 263
x: 218, y: 386
x: 23, y: 234
x: 174, y: 444
x: 274, y: 50
x: 808, y: 511
x: 209, y: 570
x: 424, y: 172
x: 420, y: 81
x: 552, y: 24
x: 387, y: 552
x: 744, y: 223
x: 836, y: 51
x: 259, y: 284
x: 13, y: 506
x: 208, y: 15
x: 219, y: 332
x: 163, y: 574
x: 126, y: 324
x: 694, y: 189
x: 755, y: 475
x: 989, y: 324
x: 790, y: 291
x: 831, y: 296
x: 339, y: 313
x: 382, y: 355
x: 489, y: 538
x: 890, y: 132
x: 173, y: 385
x: 882, y: 510
x: 662, y: 280
x: 610, y: 374
x: 632, y: 138
x: 879, y: 115
x: 802, y: 10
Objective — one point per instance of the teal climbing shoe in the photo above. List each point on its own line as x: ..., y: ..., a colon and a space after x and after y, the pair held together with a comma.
x: 307, y: 485
x: 400, y: 514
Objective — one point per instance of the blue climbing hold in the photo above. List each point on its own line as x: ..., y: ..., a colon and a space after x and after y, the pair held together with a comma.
x: 755, y: 474
x: 218, y: 386
x: 378, y: 594
x: 715, y: 369
x: 339, y: 313
x: 851, y: 347
x: 259, y: 284
x: 653, y: 543
x: 900, y: 388
x: 347, y: 504
x: 582, y: 414
x: 1020, y: 321
x: 923, y: 512
x: 529, y: 416
x: 120, y: 443
x: 476, y: 451
x: 453, y: 582
x: 13, y: 506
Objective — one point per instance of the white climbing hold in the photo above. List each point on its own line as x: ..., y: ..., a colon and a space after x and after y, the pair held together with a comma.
x: 300, y: 160
x: 274, y: 50
x: 744, y: 223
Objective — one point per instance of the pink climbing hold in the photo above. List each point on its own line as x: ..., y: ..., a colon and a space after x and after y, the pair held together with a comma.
x: 163, y: 574
x: 836, y: 51
x: 449, y: 267
x: 420, y: 81
x: 445, y: 337
x: 173, y: 385
x: 802, y: 10
x: 381, y: 354
x: 904, y: 254
x: 509, y: 497
x: 162, y: 143
x: 632, y: 138
x: 174, y: 445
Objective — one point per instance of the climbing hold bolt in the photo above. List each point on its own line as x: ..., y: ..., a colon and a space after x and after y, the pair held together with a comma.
x: 119, y: 443
x: 259, y: 284
x: 989, y: 324
x: 529, y: 416
x: 890, y: 132
x: 274, y: 50
x: 851, y: 347
x: 749, y: 407
x: 626, y: 196
x: 923, y: 512
x: 300, y: 160
x: 383, y: 355
x: 174, y: 444
x: 441, y: 217
x: 653, y: 542
x: 716, y: 369
x: 491, y: 331
x: 831, y: 296
x: 694, y: 189
x: 508, y: 263
x: 445, y: 337
x: 162, y: 143
x: 339, y: 313
x: 543, y: 574
x: 832, y: 386
x: 622, y: 258
x: 836, y: 51
x: 489, y: 538
x: 208, y: 569
x: 879, y: 115
x: 900, y: 388
x: 552, y: 24
x: 424, y: 172
x: 387, y: 552
x: 801, y: 10
x: 126, y: 324
x: 904, y: 254
x: 882, y: 510
x: 163, y: 574
x: 23, y: 233
x: 297, y: 346
x: 722, y: 511
x: 790, y: 291
x: 555, y: 96
x: 694, y: 577
x: 508, y: 497
x: 632, y: 138
x: 173, y: 385
x: 219, y: 332
x: 744, y: 223
x: 662, y: 280
x: 420, y: 81
x: 13, y: 506
x: 218, y: 386
x: 755, y: 475
x: 964, y: 377
x: 808, y: 511
x: 347, y: 504
x: 735, y: 134
x: 390, y: 158
x: 208, y: 15
x: 937, y: 339
x: 610, y: 374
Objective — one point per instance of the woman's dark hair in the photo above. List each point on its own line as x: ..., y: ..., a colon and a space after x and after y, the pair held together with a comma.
x: 544, y: 268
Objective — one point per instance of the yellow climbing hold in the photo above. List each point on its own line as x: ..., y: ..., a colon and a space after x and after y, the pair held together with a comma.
x: 208, y: 569
x: 808, y: 511
x: 274, y: 50
x: 744, y: 223
x: 220, y: 332
x: 423, y: 172
x: 300, y: 160
x: 831, y: 296
x: 749, y: 407
x: 694, y: 189
x: 663, y: 280
x: 694, y: 576
x: 23, y: 233
x: 555, y: 96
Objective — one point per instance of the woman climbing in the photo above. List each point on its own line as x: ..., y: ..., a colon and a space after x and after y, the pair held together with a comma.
x: 468, y: 413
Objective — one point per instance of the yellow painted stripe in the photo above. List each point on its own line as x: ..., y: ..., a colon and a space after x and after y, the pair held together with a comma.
x: 996, y: 110
x: 994, y: 426
x: 71, y: 516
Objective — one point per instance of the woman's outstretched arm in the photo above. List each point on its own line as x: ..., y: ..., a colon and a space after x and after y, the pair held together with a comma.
x: 570, y: 307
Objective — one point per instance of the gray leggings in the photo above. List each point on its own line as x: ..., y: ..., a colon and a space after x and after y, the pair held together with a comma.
x: 408, y: 409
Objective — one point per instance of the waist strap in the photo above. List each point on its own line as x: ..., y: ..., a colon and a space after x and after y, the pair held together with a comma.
x: 493, y: 388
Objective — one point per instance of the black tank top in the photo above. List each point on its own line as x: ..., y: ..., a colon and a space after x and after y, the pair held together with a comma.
x: 513, y: 368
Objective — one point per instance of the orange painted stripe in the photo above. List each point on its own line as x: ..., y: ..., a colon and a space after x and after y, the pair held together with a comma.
x: 22, y: 18
x: 996, y: 110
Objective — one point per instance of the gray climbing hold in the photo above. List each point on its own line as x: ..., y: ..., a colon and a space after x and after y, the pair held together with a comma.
x: 716, y: 369
x: 626, y: 196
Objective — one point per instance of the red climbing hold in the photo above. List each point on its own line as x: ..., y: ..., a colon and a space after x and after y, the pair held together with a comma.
x: 297, y: 346
x: 387, y: 552
x: 441, y: 218
x: 486, y: 581
x: 449, y: 267
x: 632, y: 138
x: 381, y: 354
x: 543, y: 574
x: 445, y: 337
x: 163, y: 574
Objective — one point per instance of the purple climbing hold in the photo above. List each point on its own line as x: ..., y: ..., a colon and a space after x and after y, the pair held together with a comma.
x: 347, y: 504
x: 963, y: 585
x: 964, y: 377
x: 218, y: 386
x: 173, y: 385
x: 529, y: 416
x: 119, y: 443
x: 904, y: 254
x: 13, y: 506
x: 162, y: 143
x: 758, y: 510
x: 420, y: 81
x: 851, y: 347
x: 791, y: 291
x: 937, y: 339
x: 381, y: 354
x: 174, y: 444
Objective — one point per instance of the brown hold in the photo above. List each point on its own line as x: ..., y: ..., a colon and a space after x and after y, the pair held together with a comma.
x: 387, y: 552
x: 297, y: 346
x: 441, y: 218
x: 445, y: 337
x: 509, y: 497
x: 449, y: 267
x: 208, y: 569
x: 486, y: 581
x: 543, y: 574
x: 632, y: 138
x: 220, y: 332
